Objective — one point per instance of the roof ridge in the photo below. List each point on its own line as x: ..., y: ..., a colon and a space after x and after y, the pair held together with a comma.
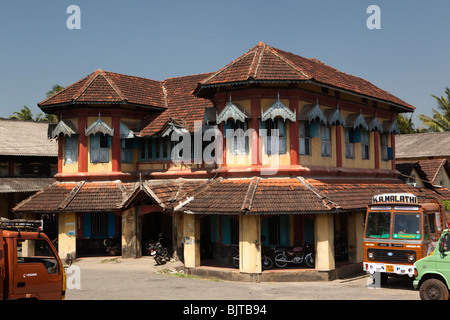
x: 113, y: 85
x: 93, y: 76
x: 232, y: 63
x: 289, y: 62
x: 255, y: 68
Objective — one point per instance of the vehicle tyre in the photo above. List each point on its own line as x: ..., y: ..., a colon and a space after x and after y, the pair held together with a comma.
x: 235, y: 260
x: 309, y: 260
x: 159, y: 260
x: 280, y: 264
x: 267, y: 262
x: 433, y: 289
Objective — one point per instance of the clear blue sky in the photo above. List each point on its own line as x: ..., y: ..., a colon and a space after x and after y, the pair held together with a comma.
x: 408, y: 56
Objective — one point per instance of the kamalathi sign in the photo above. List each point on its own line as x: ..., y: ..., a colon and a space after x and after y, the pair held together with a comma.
x: 395, y: 198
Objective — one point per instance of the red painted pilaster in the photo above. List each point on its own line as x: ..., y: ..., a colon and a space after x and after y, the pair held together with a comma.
x: 338, y: 146
x: 376, y: 141
x: 294, y: 134
x: 60, y: 153
x: 255, y: 106
x: 116, y: 147
x: 82, y: 145
x: 393, y: 147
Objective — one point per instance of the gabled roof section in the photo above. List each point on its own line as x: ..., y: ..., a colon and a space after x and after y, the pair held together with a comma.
x: 103, y: 87
x: 264, y: 63
x: 182, y: 105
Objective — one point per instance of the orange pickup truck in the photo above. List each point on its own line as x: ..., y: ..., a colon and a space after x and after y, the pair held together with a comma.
x: 30, y: 267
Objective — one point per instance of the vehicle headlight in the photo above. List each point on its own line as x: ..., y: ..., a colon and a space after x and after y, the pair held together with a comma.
x: 411, y: 257
x: 370, y: 255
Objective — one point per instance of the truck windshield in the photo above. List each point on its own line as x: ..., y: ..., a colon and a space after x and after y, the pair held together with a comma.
x: 378, y: 225
x: 407, y: 226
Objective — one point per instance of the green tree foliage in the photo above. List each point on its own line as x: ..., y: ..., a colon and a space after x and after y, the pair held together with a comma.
x: 26, y: 114
x: 441, y: 118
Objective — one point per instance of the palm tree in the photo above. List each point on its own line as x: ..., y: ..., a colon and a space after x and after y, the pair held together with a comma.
x: 24, y: 114
x: 404, y: 124
x: 56, y: 88
x: 440, y: 120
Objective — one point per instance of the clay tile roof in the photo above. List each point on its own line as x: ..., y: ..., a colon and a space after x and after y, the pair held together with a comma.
x: 295, y: 195
x: 182, y: 105
x: 109, y: 87
x: 432, y: 168
x: 265, y: 64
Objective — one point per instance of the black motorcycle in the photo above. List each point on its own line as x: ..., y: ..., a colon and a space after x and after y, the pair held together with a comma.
x: 295, y: 255
x: 266, y: 259
x: 112, y: 247
x: 156, y: 250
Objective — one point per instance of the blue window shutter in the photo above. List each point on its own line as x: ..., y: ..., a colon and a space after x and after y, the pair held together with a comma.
x: 111, y: 225
x: 227, y: 127
x: 284, y: 230
x: 357, y: 136
x: 87, y: 225
x: 390, y: 153
x: 226, y: 235
x: 314, y: 129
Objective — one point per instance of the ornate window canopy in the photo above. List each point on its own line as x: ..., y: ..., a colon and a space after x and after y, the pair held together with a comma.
x: 390, y: 126
x: 125, y: 132
x: 173, y: 126
x: 334, y: 117
x: 374, y: 124
x: 312, y: 113
x: 99, y: 126
x: 355, y: 120
x: 65, y: 127
x: 278, y: 109
x: 233, y: 111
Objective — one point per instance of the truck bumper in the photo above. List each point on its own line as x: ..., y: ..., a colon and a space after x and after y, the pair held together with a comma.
x: 400, y: 269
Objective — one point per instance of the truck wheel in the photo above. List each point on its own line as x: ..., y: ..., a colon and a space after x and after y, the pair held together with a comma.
x: 433, y: 289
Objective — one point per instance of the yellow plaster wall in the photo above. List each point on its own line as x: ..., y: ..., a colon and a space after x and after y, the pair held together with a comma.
x: 67, y: 226
x: 249, y: 244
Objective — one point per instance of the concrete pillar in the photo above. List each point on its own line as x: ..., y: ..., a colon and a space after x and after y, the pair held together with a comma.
x: 250, y: 244
x: 191, y: 240
x: 131, y: 233
x: 67, y: 239
x: 324, y: 231
x: 355, y: 237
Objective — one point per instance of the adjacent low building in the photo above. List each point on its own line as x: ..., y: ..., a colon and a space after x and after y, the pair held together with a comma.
x: 284, y: 149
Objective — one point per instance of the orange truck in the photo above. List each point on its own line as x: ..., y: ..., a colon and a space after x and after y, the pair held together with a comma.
x: 399, y: 231
x: 30, y: 267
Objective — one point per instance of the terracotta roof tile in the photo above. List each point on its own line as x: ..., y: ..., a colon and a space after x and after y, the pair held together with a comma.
x: 182, y: 105
x: 265, y: 63
x: 109, y: 87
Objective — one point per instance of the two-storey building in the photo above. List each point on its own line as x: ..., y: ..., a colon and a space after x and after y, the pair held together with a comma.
x: 283, y: 149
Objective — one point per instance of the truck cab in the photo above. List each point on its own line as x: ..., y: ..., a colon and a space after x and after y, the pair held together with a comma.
x: 30, y: 267
x: 399, y: 231
x: 433, y: 272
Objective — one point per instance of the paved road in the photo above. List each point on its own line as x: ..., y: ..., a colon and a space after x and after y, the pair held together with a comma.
x: 105, y: 278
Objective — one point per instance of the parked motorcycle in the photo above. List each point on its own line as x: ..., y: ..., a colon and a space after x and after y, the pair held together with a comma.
x: 295, y: 255
x: 156, y: 250
x: 112, y: 247
x: 266, y: 259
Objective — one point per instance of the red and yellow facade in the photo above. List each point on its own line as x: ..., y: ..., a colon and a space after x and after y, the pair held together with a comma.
x: 336, y: 150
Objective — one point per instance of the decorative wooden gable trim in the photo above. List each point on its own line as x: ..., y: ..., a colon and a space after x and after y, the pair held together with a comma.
x: 99, y: 126
x: 334, y: 117
x: 355, y: 120
x: 125, y: 132
x: 64, y: 127
x: 390, y: 126
x: 278, y: 109
x: 374, y: 124
x: 173, y: 126
x: 233, y: 111
x: 312, y: 113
